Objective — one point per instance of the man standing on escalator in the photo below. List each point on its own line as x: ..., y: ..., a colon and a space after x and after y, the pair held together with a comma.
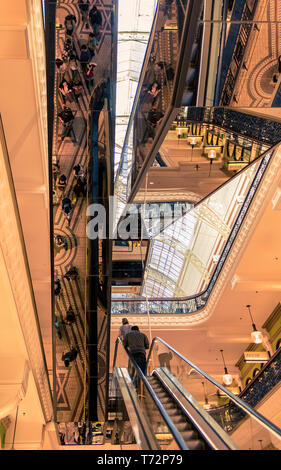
x: 137, y: 343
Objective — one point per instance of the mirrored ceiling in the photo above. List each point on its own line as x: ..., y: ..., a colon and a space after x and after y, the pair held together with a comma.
x: 203, y: 149
x: 207, y: 54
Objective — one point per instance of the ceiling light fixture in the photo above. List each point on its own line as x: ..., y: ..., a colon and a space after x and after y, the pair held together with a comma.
x: 227, y: 378
x: 255, y: 335
x: 211, y: 156
x: 192, y: 141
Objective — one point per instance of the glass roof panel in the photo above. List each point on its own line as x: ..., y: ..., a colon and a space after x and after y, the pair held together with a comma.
x: 183, y: 256
x: 134, y: 24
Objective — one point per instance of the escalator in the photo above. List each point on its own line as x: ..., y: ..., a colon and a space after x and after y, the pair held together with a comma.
x: 185, y: 427
x: 167, y: 410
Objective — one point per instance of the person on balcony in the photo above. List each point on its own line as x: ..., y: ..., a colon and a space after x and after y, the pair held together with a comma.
x: 66, y: 207
x: 92, y: 44
x: 78, y: 189
x: 66, y: 117
x: 58, y: 330
x: 85, y: 56
x: 78, y: 171
x: 66, y: 91
x: 70, y: 316
x: 57, y: 287
x: 89, y: 73
x: 61, y: 241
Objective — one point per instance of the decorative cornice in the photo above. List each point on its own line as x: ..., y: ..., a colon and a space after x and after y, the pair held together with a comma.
x: 258, y: 205
x: 275, y: 315
x: 14, y: 253
x: 13, y: 392
x: 166, y: 196
x: 36, y: 44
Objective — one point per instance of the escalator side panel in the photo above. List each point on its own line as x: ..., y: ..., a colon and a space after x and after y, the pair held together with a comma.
x: 141, y: 428
x: 209, y: 430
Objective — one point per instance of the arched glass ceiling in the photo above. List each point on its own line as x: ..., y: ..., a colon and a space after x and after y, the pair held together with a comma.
x: 183, y: 256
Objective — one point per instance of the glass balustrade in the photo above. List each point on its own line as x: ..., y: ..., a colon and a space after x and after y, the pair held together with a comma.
x: 156, y: 418
x: 248, y: 429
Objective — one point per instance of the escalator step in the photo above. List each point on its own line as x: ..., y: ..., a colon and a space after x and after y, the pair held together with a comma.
x: 163, y: 395
x: 157, y: 388
x: 195, y: 445
x: 173, y: 411
x: 178, y: 419
x: 189, y: 435
x: 166, y: 400
x: 169, y: 406
x: 185, y: 426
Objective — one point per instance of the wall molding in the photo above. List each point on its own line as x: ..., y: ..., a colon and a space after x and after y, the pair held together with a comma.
x: 15, y: 258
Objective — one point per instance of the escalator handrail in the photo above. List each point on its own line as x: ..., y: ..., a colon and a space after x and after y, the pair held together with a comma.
x: 240, y: 403
x: 176, y: 434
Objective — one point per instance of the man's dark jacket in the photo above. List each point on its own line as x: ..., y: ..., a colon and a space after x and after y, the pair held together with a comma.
x: 136, y: 341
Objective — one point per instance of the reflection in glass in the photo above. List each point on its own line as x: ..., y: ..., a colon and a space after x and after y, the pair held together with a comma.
x: 155, y: 91
x: 158, y: 424
x: 234, y: 61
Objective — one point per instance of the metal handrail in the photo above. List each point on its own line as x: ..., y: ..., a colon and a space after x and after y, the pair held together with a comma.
x: 240, y: 403
x: 150, y: 440
x: 177, y: 436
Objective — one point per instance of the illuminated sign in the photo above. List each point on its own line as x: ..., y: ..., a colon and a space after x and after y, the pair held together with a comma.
x: 254, y: 356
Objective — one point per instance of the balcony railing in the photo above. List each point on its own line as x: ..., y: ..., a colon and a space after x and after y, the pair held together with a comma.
x: 259, y: 129
x: 228, y: 415
x: 264, y: 381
